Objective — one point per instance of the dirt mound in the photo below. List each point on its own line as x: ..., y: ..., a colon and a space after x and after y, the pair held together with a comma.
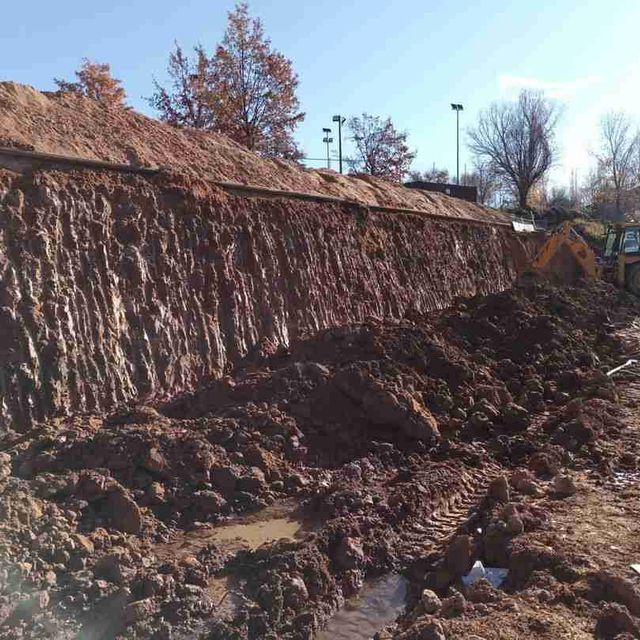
x: 76, y: 126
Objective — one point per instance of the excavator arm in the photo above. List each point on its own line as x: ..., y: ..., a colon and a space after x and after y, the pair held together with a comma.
x: 566, y: 236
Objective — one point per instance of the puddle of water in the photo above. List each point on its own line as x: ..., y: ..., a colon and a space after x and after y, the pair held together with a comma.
x: 251, y: 532
x: 379, y: 603
x: 255, y: 534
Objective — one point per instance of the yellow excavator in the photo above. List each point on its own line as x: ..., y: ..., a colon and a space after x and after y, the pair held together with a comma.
x: 619, y: 263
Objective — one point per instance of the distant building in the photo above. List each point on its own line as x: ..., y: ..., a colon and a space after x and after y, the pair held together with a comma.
x: 463, y: 192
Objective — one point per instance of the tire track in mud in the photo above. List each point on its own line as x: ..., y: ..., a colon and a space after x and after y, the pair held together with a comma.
x: 457, y: 496
x: 453, y: 510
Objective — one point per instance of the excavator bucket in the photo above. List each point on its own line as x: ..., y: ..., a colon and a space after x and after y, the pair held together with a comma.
x: 566, y: 257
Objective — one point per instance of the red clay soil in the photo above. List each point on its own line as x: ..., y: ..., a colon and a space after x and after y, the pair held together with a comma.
x: 121, y: 286
x: 76, y: 126
x: 488, y: 431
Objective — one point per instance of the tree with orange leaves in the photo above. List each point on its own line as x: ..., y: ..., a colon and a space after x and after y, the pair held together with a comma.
x: 188, y: 102
x: 380, y: 150
x: 246, y: 90
x: 255, y: 89
x: 96, y: 82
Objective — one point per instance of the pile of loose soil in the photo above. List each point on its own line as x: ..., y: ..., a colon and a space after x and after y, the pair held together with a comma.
x: 76, y: 126
x: 413, y: 446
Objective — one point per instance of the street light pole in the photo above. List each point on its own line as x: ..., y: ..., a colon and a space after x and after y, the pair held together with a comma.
x: 340, y: 120
x: 457, y: 108
x: 327, y: 140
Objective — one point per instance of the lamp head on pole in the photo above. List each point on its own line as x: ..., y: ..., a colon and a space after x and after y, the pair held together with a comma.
x: 457, y: 107
x: 339, y: 119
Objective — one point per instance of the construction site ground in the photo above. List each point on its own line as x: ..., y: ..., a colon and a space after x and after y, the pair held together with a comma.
x: 378, y: 460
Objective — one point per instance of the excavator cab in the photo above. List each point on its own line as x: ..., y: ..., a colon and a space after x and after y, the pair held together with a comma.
x: 612, y: 244
x: 621, y: 259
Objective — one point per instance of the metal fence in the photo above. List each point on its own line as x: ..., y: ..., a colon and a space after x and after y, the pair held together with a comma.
x: 526, y: 223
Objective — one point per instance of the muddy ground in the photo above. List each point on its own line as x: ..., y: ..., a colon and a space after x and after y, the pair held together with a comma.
x: 259, y: 506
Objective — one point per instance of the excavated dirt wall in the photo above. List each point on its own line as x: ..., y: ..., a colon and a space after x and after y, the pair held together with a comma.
x: 115, y: 288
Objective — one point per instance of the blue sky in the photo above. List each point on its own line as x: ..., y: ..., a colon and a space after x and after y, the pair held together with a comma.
x: 408, y: 59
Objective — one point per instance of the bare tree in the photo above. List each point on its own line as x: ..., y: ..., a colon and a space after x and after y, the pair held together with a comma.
x: 595, y: 192
x: 618, y: 155
x: 485, y: 179
x: 380, y: 150
x: 574, y: 189
x: 431, y: 175
x: 560, y: 196
x: 518, y: 139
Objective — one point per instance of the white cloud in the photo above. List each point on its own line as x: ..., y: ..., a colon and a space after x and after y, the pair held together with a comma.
x: 558, y: 90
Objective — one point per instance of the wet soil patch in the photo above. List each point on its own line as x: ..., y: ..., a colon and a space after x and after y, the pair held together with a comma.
x: 378, y: 603
x: 282, y: 521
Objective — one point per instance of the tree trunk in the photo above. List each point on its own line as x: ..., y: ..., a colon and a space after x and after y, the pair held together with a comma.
x: 523, y: 193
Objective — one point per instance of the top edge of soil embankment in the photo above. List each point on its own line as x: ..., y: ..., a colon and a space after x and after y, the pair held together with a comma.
x: 74, y: 126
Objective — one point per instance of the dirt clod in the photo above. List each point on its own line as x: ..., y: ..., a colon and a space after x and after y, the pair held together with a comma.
x: 564, y: 485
